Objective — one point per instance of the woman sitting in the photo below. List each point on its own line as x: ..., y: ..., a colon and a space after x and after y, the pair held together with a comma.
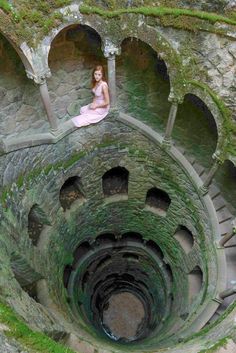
x: 99, y: 108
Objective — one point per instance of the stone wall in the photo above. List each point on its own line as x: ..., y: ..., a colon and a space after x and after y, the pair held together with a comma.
x: 20, y: 105
x: 73, y: 55
x: 89, y: 153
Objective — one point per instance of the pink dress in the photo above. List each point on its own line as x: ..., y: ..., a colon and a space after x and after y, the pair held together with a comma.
x: 91, y: 116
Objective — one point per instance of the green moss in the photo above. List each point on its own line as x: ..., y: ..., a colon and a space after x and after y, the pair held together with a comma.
x: 221, y: 343
x: 159, y: 12
x: 29, y: 17
x: 32, y: 341
x: 29, y: 21
x: 4, y: 5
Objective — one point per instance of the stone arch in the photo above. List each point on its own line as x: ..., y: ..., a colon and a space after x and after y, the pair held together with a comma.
x: 158, y: 201
x: 194, y: 115
x: 19, y: 50
x: 20, y: 105
x: 63, y: 29
x: 195, y: 279
x: 73, y: 54
x: 143, y: 84
x: 163, y: 48
x: 225, y: 179
x: 115, y: 181
x: 71, y: 190
x: 37, y: 218
x: 185, y: 238
x: 209, y: 98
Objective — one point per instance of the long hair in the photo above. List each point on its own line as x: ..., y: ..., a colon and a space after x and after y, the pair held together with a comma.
x: 98, y: 68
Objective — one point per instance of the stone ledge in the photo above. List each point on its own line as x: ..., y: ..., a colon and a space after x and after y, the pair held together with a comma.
x: 15, y: 143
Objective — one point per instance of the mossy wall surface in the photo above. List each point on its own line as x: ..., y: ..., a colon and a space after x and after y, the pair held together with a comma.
x: 199, y: 55
x: 148, y: 165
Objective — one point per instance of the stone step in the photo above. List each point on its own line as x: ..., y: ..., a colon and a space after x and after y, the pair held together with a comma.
x: 190, y: 159
x: 204, y: 176
x: 224, y: 215
x: 225, y: 227
x: 214, y: 191
x: 199, y: 169
x: 218, y: 202
x: 181, y: 150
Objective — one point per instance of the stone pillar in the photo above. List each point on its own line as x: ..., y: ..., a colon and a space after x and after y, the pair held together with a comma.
x: 110, y: 51
x: 48, y: 107
x: 205, y: 186
x: 171, y: 119
x: 43, y: 88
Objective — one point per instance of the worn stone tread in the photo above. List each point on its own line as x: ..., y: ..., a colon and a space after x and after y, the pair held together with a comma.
x: 225, y: 227
x: 224, y: 215
x: 218, y: 202
x: 199, y: 169
x: 214, y: 191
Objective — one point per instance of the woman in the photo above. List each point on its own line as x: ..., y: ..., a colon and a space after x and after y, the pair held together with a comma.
x: 98, y: 109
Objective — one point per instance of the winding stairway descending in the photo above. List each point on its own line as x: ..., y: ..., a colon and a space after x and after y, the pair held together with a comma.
x: 226, y: 216
x: 227, y: 224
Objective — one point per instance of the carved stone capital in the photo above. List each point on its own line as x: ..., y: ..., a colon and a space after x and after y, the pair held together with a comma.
x: 39, y: 78
x: 110, y: 49
x: 203, y: 190
x: 217, y: 157
x: 166, y: 143
x: 174, y: 98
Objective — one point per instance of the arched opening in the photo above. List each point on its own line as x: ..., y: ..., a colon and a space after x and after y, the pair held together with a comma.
x: 25, y: 275
x: 225, y: 178
x: 132, y: 236
x: 37, y: 218
x: 21, y: 108
x: 80, y: 251
x: 115, y: 181
x: 105, y: 238
x: 155, y: 248
x: 194, y: 116
x: 185, y: 238
x: 71, y: 191
x: 195, y: 282
x: 143, y: 83
x: 74, y: 53
x: 158, y: 201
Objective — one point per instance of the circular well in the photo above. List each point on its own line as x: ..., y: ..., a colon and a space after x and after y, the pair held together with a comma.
x: 123, y: 316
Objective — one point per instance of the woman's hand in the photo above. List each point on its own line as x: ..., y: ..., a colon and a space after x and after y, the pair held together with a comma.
x: 93, y: 106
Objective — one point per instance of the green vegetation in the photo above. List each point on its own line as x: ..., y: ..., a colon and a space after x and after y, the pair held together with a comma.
x: 30, y: 20
x: 35, y: 342
x: 5, y: 6
x: 26, y: 15
x: 220, y: 343
x: 159, y: 12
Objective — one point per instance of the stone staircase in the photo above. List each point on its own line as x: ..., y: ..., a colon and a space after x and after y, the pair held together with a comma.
x: 225, y: 216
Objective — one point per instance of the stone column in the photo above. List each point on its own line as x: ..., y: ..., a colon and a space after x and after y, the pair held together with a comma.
x: 43, y: 88
x: 205, y: 186
x: 171, y: 120
x: 110, y: 51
